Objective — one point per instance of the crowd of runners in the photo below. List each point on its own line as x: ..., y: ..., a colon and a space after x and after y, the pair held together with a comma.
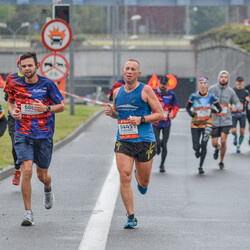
x: 215, y: 111
x: 144, y: 120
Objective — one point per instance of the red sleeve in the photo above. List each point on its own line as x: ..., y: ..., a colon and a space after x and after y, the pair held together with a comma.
x: 8, y: 80
x: 11, y: 92
x: 175, y: 110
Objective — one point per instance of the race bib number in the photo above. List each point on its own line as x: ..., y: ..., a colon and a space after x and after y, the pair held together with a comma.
x: 203, y: 113
x: 241, y: 106
x: 127, y: 130
x: 28, y: 111
x: 223, y: 111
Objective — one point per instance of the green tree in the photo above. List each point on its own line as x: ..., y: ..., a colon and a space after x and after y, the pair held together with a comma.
x: 89, y: 19
x: 206, y: 18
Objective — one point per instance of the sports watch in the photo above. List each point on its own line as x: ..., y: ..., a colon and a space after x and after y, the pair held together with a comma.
x: 48, y: 108
x: 142, y: 119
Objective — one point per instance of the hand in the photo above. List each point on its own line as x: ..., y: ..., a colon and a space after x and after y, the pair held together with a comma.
x: 171, y: 116
x: 39, y: 106
x: 108, y: 110
x: 16, y: 114
x: 233, y: 109
x: 135, y: 120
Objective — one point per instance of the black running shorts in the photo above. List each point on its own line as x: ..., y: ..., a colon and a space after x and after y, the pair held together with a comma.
x: 241, y: 118
x: 216, y: 131
x: 142, y: 151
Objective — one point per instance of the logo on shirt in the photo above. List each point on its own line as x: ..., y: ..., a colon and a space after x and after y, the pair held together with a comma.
x: 39, y: 90
x: 127, y: 107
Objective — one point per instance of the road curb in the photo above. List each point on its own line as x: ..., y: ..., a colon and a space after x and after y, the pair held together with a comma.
x: 8, y: 171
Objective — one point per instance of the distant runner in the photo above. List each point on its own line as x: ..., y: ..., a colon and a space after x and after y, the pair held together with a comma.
x: 202, y: 121
x: 11, y: 123
x: 248, y: 111
x: 170, y: 107
x: 222, y: 121
x: 240, y: 115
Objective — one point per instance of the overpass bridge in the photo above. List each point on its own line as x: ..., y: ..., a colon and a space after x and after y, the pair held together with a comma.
x: 134, y: 2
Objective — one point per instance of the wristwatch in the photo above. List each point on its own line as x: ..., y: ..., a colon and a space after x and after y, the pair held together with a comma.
x: 48, y: 108
x: 142, y: 119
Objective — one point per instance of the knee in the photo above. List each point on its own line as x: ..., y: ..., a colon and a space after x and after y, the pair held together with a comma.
x: 223, y: 143
x: 203, y: 150
x: 41, y: 177
x: 26, y: 172
x: 125, y: 178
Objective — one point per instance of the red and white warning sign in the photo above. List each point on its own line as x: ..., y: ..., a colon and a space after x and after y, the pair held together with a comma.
x: 56, y: 35
x: 54, y: 66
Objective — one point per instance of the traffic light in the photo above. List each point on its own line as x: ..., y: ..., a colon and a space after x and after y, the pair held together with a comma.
x: 61, y: 11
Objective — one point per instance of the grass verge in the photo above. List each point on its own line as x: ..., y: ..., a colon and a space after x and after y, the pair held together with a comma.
x: 65, y: 124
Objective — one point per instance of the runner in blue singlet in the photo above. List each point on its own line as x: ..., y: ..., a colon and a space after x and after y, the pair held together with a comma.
x: 135, y: 106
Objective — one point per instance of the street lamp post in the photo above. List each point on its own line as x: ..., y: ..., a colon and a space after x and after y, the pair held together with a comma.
x: 14, y: 32
x: 135, y: 18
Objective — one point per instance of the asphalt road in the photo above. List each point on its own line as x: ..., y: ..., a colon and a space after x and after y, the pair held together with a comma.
x: 182, y: 210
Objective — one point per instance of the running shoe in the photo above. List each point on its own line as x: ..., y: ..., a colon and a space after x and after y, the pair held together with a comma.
x: 238, y: 149
x: 142, y: 190
x: 221, y: 165
x: 16, y: 177
x: 216, y: 153
x: 162, y: 169
x: 48, y: 199
x: 235, y: 141
x: 201, y: 171
x: 130, y: 224
x: 28, y: 219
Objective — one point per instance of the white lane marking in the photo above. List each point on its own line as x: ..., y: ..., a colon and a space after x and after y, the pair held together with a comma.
x: 96, y: 232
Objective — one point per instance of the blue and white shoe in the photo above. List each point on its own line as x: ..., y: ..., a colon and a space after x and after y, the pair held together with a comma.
x: 130, y: 224
x: 142, y: 190
x: 238, y: 149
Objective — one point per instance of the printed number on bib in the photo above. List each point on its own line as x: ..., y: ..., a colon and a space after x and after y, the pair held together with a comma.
x: 127, y: 130
x: 203, y: 113
x: 28, y: 111
x: 223, y: 111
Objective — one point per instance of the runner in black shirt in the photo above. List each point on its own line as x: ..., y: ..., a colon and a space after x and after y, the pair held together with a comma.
x: 240, y: 114
x: 248, y: 111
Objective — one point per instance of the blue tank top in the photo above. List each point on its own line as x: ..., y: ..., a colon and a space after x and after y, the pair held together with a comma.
x: 132, y: 104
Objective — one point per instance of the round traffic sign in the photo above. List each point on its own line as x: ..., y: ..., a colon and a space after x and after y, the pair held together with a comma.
x: 56, y: 35
x: 54, y: 66
x: 172, y: 81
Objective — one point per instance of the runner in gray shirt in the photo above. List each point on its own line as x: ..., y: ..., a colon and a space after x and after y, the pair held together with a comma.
x: 222, y: 121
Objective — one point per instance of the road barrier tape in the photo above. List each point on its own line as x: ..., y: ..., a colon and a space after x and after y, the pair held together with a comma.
x: 97, y: 102
x: 85, y: 99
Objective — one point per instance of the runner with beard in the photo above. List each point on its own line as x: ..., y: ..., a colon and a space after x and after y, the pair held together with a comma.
x: 33, y: 100
x: 222, y: 121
